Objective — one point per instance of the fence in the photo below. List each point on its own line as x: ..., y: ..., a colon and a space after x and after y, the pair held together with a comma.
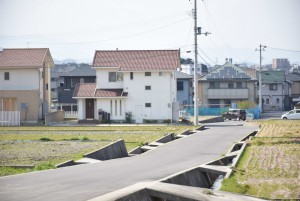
x: 71, y: 114
x: 208, y: 111
x: 10, y: 118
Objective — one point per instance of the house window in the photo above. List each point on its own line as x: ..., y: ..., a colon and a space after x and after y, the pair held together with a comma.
x: 147, y: 73
x: 73, y: 82
x: 81, y: 80
x: 119, y: 76
x: 116, y: 107
x: 273, y: 87
x: 239, y: 85
x: 147, y: 87
x: 9, y: 104
x: 160, y: 74
x: 6, y: 76
x: 179, y: 86
x: 147, y: 104
x: 230, y: 85
x: 120, y: 107
x: 47, y: 86
x: 112, y: 76
x: 267, y: 101
x: 52, y: 79
x: 111, y: 107
x: 277, y: 101
x: 131, y: 75
x: 214, y: 85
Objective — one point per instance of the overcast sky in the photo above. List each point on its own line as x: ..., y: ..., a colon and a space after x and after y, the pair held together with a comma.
x: 76, y: 28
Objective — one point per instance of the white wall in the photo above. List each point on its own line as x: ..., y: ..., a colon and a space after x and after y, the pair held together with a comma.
x: 161, y: 95
x: 110, y: 106
x: 103, y: 82
x: 81, y: 109
x: 27, y: 79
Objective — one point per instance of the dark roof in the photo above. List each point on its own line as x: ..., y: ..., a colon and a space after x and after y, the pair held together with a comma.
x: 227, y: 72
x: 272, y: 76
x: 80, y: 72
x: 138, y: 60
x: 89, y: 90
x: 293, y: 77
x: 181, y: 75
x: 23, y: 57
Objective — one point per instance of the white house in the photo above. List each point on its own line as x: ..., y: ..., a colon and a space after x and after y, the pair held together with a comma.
x: 137, y: 82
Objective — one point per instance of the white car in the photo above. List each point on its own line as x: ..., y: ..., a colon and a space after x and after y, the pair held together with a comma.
x: 293, y: 114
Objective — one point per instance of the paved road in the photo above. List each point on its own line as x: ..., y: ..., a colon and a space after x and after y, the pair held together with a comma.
x: 84, y: 182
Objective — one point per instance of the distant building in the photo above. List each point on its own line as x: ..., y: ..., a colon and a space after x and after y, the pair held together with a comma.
x: 184, y: 88
x: 281, y: 64
x: 189, y: 69
x: 226, y: 85
x: 275, y: 91
x: 83, y: 74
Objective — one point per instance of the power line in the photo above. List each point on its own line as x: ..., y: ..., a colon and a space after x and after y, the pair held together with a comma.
x: 207, y: 57
x: 116, y: 38
x: 283, y: 49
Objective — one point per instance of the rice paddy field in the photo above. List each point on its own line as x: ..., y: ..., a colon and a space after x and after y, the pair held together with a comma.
x: 44, y: 147
x: 270, y: 166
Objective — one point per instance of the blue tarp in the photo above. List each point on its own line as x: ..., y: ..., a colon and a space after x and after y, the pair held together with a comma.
x: 206, y: 111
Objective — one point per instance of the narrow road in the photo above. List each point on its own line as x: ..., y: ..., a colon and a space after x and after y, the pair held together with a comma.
x: 83, y: 182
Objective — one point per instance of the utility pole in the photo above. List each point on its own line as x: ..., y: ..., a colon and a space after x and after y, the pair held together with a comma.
x: 195, y: 67
x: 261, y: 48
x: 197, y: 31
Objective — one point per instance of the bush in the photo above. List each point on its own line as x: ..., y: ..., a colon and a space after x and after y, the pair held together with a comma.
x: 45, y: 139
x: 245, y: 104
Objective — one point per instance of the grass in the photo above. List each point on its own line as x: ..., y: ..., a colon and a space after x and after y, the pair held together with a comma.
x: 269, y: 167
x: 45, y: 147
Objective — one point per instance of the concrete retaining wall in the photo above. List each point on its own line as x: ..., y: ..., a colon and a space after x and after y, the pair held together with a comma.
x: 137, y: 150
x: 111, y: 151
x: 225, y: 161
x: 212, y: 120
x: 197, y: 177
x: 54, y: 117
x: 66, y: 164
x: 167, y: 138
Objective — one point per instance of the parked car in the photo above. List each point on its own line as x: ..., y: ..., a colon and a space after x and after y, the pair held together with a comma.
x: 293, y: 114
x: 237, y: 114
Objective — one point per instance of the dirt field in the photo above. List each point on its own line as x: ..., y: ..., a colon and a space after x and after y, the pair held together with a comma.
x: 45, y: 147
x: 270, y: 166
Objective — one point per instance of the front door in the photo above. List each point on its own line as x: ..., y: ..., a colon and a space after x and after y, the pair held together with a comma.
x: 89, y: 108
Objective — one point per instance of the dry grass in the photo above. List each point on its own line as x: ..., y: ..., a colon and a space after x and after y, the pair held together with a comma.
x: 270, y: 166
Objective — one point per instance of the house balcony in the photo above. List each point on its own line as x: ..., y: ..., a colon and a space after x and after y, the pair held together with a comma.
x: 225, y: 93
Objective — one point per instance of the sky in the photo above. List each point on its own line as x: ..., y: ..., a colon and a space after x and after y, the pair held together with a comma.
x: 74, y: 29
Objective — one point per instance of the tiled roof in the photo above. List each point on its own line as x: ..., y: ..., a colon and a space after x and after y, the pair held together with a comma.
x: 181, y: 75
x: 138, y: 60
x: 271, y: 76
x: 228, y: 72
x: 84, y: 90
x: 89, y: 90
x: 293, y: 77
x: 26, y: 57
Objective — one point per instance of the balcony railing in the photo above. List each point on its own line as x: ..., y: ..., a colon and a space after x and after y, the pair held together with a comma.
x: 225, y: 93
